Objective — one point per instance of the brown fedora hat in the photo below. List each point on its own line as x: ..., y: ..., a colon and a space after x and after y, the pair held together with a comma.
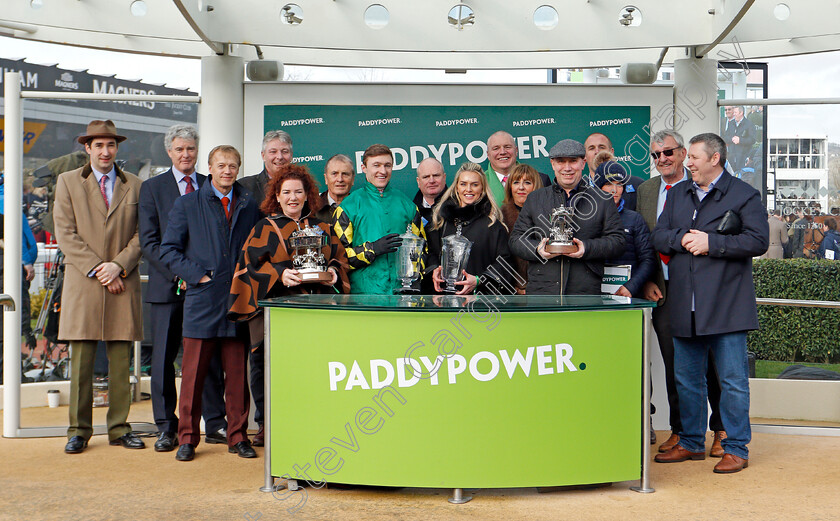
x: 98, y: 128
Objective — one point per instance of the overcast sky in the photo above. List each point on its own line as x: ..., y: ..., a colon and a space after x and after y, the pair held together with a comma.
x: 813, y: 76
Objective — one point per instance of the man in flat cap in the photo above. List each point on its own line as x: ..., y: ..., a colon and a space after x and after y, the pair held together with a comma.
x: 596, y: 225
x: 96, y: 227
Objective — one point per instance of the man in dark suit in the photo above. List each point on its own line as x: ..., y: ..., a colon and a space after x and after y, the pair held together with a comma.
x: 201, y: 246
x: 339, y: 176
x: 502, y: 158
x: 276, y: 152
x: 712, y: 227
x: 166, y: 299
x: 740, y: 138
x: 431, y: 184
x: 668, y: 152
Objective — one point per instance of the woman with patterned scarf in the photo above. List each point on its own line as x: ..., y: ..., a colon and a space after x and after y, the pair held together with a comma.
x: 265, y: 268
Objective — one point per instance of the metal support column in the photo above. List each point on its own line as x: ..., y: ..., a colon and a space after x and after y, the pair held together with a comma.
x: 644, y: 483
x: 13, y: 198
x: 458, y: 497
x: 268, y: 486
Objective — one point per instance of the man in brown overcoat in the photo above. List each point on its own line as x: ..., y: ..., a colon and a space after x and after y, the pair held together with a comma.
x: 96, y: 227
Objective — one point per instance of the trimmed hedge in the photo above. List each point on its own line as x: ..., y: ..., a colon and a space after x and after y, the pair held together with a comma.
x: 792, y: 334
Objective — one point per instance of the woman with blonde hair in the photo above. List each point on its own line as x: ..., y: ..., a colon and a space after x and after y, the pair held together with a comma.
x: 467, y: 206
x: 523, y: 180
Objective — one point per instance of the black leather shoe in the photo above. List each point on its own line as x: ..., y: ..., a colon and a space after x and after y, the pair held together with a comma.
x: 75, y: 445
x: 244, y: 449
x: 186, y: 452
x: 166, y: 442
x: 220, y: 436
x: 129, y: 441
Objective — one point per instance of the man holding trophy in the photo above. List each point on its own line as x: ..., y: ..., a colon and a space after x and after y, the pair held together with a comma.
x: 567, y: 230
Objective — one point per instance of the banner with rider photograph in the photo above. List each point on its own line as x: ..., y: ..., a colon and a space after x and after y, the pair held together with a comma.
x: 454, y: 134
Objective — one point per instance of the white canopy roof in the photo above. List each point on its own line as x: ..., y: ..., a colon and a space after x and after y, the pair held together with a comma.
x: 421, y: 34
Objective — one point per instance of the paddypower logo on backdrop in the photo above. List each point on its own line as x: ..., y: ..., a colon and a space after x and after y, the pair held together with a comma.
x: 374, y: 122
x: 451, y: 122
x: 483, y: 366
x: 530, y: 147
x: 610, y: 122
x: 302, y: 121
x: 533, y: 122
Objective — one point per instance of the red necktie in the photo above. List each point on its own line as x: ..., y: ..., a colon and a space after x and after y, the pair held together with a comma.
x: 225, y: 202
x: 504, y: 179
x: 104, y: 192
x: 665, y: 258
x: 190, y: 188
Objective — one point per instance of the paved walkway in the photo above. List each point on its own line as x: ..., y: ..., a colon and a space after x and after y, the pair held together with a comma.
x: 789, y: 478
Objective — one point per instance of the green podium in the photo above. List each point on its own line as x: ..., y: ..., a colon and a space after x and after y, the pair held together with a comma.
x: 456, y: 392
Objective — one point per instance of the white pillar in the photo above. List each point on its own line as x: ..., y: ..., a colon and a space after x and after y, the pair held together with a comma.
x: 13, y: 196
x: 695, y: 97
x: 739, y: 83
x: 221, y: 113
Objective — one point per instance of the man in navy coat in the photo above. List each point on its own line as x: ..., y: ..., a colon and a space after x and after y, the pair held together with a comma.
x: 206, y: 231
x: 157, y: 196
x: 712, y: 290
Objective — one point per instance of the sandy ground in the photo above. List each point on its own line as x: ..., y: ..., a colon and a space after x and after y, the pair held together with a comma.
x: 789, y: 478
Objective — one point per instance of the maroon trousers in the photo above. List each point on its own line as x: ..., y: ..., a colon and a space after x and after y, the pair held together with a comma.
x: 196, y: 361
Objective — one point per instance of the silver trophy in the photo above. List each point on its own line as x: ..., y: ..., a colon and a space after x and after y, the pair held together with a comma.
x: 408, y: 261
x: 306, y: 245
x: 561, y: 231
x: 453, y: 259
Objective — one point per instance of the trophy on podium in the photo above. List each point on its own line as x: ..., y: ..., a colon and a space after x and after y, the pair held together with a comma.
x: 561, y: 231
x: 453, y: 259
x: 408, y: 261
x: 306, y: 254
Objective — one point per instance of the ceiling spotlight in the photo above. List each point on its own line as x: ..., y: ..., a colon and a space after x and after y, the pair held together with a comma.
x: 138, y: 8
x: 291, y: 14
x: 630, y: 16
x: 461, y: 16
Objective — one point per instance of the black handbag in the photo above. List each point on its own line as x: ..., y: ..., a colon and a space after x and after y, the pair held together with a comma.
x: 730, y: 224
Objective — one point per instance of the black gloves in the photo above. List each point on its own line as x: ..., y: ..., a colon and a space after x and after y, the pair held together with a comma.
x: 387, y: 244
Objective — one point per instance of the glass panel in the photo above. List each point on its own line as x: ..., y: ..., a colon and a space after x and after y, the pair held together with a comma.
x: 51, y: 129
x: 807, y: 179
x: 522, y: 303
x: 743, y: 127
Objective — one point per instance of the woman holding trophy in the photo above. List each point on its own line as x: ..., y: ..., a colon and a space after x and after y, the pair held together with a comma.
x: 288, y: 252
x: 523, y: 180
x: 468, y: 239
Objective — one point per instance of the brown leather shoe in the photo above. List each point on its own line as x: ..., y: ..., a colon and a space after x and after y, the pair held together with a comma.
x: 730, y: 464
x: 717, y: 448
x: 678, y: 454
x: 670, y: 443
x: 259, y: 437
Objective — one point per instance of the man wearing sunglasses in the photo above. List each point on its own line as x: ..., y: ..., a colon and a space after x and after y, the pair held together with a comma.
x: 668, y: 153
